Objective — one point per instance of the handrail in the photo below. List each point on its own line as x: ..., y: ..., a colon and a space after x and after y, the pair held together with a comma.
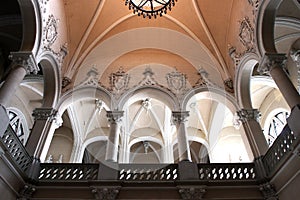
x: 227, y: 172
x: 16, y: 150
x: 68, y: 172
x: 148, y: 172
x: 279, y: 152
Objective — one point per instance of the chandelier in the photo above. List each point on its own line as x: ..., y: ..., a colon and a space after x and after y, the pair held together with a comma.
x: 150, y: 8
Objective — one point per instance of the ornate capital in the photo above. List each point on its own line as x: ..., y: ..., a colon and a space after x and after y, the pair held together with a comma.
x: 179, y: 116
x: 248, y: 114
x: 268, y: 191
x: 270, y: 61
x: 26, y: 192
x: 44, y: 114
x: 295, y: 54
x: 114, y: 116
x: 106, y: 193
x: 192, y: 192
x: 26, y: 60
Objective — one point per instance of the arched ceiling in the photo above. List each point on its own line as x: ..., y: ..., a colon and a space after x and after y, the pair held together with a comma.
x: 195, y: 34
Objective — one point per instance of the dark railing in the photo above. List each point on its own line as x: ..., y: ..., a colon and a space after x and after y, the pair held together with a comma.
x: 148, y: 172
x: 68, y: 172
x: 16, y: 150
x: 279, y: 151
x: 227, y: 172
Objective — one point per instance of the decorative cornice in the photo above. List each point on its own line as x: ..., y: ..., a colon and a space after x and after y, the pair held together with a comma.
x: 114, y: 116
x: 248, y: 114
x: 106, y: 193
x: 25, y: 59
x: 26, y: 192
x: 179, y: 116
x: 270, y: 61
x: 268, y: 191
x: 192, y: 192
x: 44, y: 114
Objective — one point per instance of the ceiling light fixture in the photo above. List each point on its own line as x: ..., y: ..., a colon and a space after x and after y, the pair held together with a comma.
x: 150, y: 8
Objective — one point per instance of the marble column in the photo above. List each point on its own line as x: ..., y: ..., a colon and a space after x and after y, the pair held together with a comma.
x: 273, y: 64
x: 22, y: 63
x: 44, y: 119
x: 115, y: 119
x: 179, y: 119
x: 255, y: 135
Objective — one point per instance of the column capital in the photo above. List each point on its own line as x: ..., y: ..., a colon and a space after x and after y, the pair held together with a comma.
x: 295, y: 54
x: 270, y: 61
x: 249, y: 114
x: 26, y: 60
x: 180, y: 116
x: 114, y: 116
x: 44, y: 114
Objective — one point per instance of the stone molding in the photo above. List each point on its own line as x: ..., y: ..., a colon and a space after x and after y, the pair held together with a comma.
x: 106, y: 193
x: 179, y: 116
x: 192, y: 192
x: 44, y: 114
x: 114, y: 116
x: 26, y: 60
x: 248, y: 114
x: 268, y: 191
x: 270, y: 61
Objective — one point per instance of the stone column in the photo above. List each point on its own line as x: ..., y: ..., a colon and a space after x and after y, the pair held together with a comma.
x: 179, y: 119
x: 115, y: 119
x: 256, y: 138
x: 273, y: 64
x: 43, y: 119
x: 22, y: 63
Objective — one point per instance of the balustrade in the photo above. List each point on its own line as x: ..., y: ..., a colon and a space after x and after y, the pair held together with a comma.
x: 16, y: 150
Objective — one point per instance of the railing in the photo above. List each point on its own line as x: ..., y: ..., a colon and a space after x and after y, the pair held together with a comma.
x: 279, y: 151
x: 16, y: 150
x: 68, y: 172
x: 227, y: 172
x: 148, y: 172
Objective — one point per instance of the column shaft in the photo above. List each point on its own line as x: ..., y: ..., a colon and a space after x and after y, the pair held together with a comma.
x: 114, y: 118
x: 11, y: 84
x: 179, y: 119
x: 255, y: 136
